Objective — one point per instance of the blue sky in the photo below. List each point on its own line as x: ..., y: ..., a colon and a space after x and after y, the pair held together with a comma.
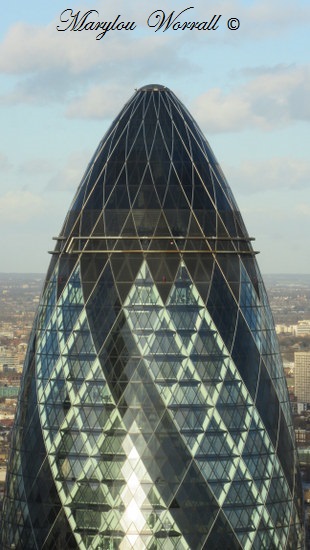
x: 248, y: 89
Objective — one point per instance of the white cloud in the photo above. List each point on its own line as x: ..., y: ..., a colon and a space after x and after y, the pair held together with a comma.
x: 26, y: 48
x: 29, y: 48
x: 278, y: 15
x: 259, y: 19
x: 36, y: 167
x: 38, y: 49
x: 98, y: 102
x: 258, y: 176
x: 56, y: 66
x: 20, y: 206
x: 71, y: 173
x: 69, y: 66
x: 268, y: 101
x: 303, y: 210
x: 4, y: 163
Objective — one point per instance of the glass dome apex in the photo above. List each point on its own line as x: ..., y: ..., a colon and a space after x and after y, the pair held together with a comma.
x: 153, y: 88
x: 153, y: 158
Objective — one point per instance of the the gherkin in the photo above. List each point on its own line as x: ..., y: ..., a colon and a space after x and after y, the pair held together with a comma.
x: 153, y: 412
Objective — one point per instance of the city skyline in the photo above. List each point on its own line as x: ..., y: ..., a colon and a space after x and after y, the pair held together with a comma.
x: 248, y: 90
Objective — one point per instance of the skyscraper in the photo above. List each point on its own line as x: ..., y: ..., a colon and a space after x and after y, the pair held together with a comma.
x: 153, y: 410
x: 302, y: 376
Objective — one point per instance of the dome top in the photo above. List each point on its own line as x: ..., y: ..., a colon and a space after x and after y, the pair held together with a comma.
x: 152, y: 88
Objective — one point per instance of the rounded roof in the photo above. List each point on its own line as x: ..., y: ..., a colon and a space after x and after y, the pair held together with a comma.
x: 152, y: 88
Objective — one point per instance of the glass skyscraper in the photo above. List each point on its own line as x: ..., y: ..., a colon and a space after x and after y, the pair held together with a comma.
x: 153, y: 411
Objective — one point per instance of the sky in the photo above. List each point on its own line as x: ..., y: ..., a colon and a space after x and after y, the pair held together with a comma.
x: 247, y: 88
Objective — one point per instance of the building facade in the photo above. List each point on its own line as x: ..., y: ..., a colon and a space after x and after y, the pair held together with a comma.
x: 153, y: 412
x: 302, y: 328
x: 302, y: 376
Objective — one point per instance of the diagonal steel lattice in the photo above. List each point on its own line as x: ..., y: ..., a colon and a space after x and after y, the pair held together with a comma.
x: 153, y: 412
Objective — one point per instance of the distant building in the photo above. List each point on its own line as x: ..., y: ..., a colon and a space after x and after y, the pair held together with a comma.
x: 285, y: 329
x: 8, y: 361
x: 302, y: 436
x: 7, y: 334
x: 302, y: 376
x: 302, y: 328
